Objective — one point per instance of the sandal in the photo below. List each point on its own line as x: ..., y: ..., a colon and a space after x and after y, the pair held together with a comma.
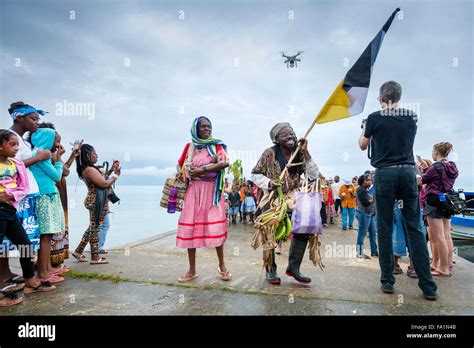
x: 44, y: 286
x: 54, y: 279
x: 412, y: 273
x: 12, y: 290
x: 80, y: 258
x: 224, y: 275
x: 100, y: 261
x: 439, y: 274
x: 187, y: 277
x: 60, y: 270
x: 398, y: 270
x: 7, y: 301
x: 15, y: 279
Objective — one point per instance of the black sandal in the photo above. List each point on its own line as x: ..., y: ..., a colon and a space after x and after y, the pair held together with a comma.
x: 15, y: 279
x: 12, y: 290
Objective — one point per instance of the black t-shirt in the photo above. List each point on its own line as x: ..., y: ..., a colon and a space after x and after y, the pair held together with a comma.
x: 393, y: 134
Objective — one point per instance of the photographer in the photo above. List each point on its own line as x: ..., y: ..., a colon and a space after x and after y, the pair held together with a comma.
x: 391, y: 133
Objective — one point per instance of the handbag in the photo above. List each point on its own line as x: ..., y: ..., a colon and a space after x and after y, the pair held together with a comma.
x: 306, y: 217
x: 451, y: 202
x: 177, y: 181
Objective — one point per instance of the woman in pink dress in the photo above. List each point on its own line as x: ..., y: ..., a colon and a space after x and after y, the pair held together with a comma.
x: 203, y: 219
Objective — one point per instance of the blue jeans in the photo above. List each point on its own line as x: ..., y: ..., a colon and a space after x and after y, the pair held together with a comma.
x: 399, y: 183
x: 366, y: 223
x: 345, y: 212
x: 104, y: 228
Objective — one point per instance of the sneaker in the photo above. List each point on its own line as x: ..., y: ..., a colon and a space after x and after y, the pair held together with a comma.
x: 351, y: 227
x: 344, y: 228
x: 278, y: 250
x: 374, y: 254
x: 102, y: 251
x: 325, y: 225
x: 430, y: 297
x: 387, y: 288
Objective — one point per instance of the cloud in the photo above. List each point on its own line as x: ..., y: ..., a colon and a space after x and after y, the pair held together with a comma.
x: 179, y: 69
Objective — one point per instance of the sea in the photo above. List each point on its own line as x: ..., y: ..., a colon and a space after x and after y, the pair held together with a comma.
x: 137, y: 216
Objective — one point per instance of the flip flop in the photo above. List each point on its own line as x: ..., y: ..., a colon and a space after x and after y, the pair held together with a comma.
x: 100, y: 261
x: 439, y: 274
x: 12, y: 289
x: 53, y: 279
x: 15, y: 279
x: 10, y: 301
x: 44, y: 286
x: 60, y: 270
x: 224, y: 275
x: 80, y: 258
x: 187, y: 277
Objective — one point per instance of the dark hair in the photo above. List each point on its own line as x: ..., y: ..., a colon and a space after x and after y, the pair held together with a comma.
x: 83, y: 161
x: 362, y: 178
x: 16, y: 105
x: 5, y: 135
x: 391, y: 91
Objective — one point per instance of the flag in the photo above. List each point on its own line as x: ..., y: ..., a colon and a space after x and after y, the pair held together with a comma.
x: 348, y: 99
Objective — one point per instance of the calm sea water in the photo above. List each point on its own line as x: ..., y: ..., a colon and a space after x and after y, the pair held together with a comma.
x: 138, y: 215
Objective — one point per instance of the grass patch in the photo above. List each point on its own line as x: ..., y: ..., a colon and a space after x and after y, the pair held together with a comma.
x: 94, y: 275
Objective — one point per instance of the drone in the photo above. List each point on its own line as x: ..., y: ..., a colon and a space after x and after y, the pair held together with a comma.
x: 291, y: 60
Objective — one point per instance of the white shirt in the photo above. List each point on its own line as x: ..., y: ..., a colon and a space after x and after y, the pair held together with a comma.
x: 335, y: 189
x: 24, y: 153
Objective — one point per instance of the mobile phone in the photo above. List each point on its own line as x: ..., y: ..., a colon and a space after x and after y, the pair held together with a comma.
x: 418, y: 158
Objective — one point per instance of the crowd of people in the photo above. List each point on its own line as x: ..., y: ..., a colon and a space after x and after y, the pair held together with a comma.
x: 397, y: 205
x: 34, y: 204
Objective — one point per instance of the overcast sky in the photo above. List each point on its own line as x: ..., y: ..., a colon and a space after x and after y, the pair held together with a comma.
x: 147, y: 68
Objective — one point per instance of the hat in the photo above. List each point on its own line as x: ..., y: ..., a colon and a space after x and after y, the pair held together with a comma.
x: 347, y: 182
x: 277, y: 128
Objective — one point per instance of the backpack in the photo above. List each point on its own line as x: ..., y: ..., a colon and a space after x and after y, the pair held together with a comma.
x: 451, y: 203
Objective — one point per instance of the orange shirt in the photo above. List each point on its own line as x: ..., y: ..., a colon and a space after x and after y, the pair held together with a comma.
x: 348, y: 196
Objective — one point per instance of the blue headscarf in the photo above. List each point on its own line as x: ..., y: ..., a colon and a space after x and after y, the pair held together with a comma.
x: 211, y: 145
x: 25, y: 110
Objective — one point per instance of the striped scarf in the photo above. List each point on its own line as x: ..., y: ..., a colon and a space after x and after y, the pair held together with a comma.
x: 211, y: 144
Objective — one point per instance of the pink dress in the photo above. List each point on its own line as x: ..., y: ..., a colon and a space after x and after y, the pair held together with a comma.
x: 201, y: 224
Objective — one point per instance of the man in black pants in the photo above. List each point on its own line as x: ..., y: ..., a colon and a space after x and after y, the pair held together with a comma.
x: 391, y: 134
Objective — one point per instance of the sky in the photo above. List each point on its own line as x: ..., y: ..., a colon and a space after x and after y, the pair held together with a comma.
x: 129, y: 77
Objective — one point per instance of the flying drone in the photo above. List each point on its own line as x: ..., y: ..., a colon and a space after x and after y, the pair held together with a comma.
x: 291, y: 60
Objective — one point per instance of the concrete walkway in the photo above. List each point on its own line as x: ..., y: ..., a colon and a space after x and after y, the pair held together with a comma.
x: 142, y: 279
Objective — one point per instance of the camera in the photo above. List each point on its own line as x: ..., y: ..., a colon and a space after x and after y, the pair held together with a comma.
x: 113, y: 198
x: 364, y: 121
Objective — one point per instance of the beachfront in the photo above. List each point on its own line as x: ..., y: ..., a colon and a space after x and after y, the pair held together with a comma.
x: 347, y: 286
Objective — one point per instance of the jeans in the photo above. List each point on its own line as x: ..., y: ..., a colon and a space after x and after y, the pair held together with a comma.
x: 345, y: 212
x: 337, y: 205
x: 392, y: 184
x: 399, y: 233
x: 366, y: 223
x: 104, y: 228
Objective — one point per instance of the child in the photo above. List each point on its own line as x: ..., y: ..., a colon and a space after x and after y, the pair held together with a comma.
x: 14, y: 186
x: 49, y: 210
